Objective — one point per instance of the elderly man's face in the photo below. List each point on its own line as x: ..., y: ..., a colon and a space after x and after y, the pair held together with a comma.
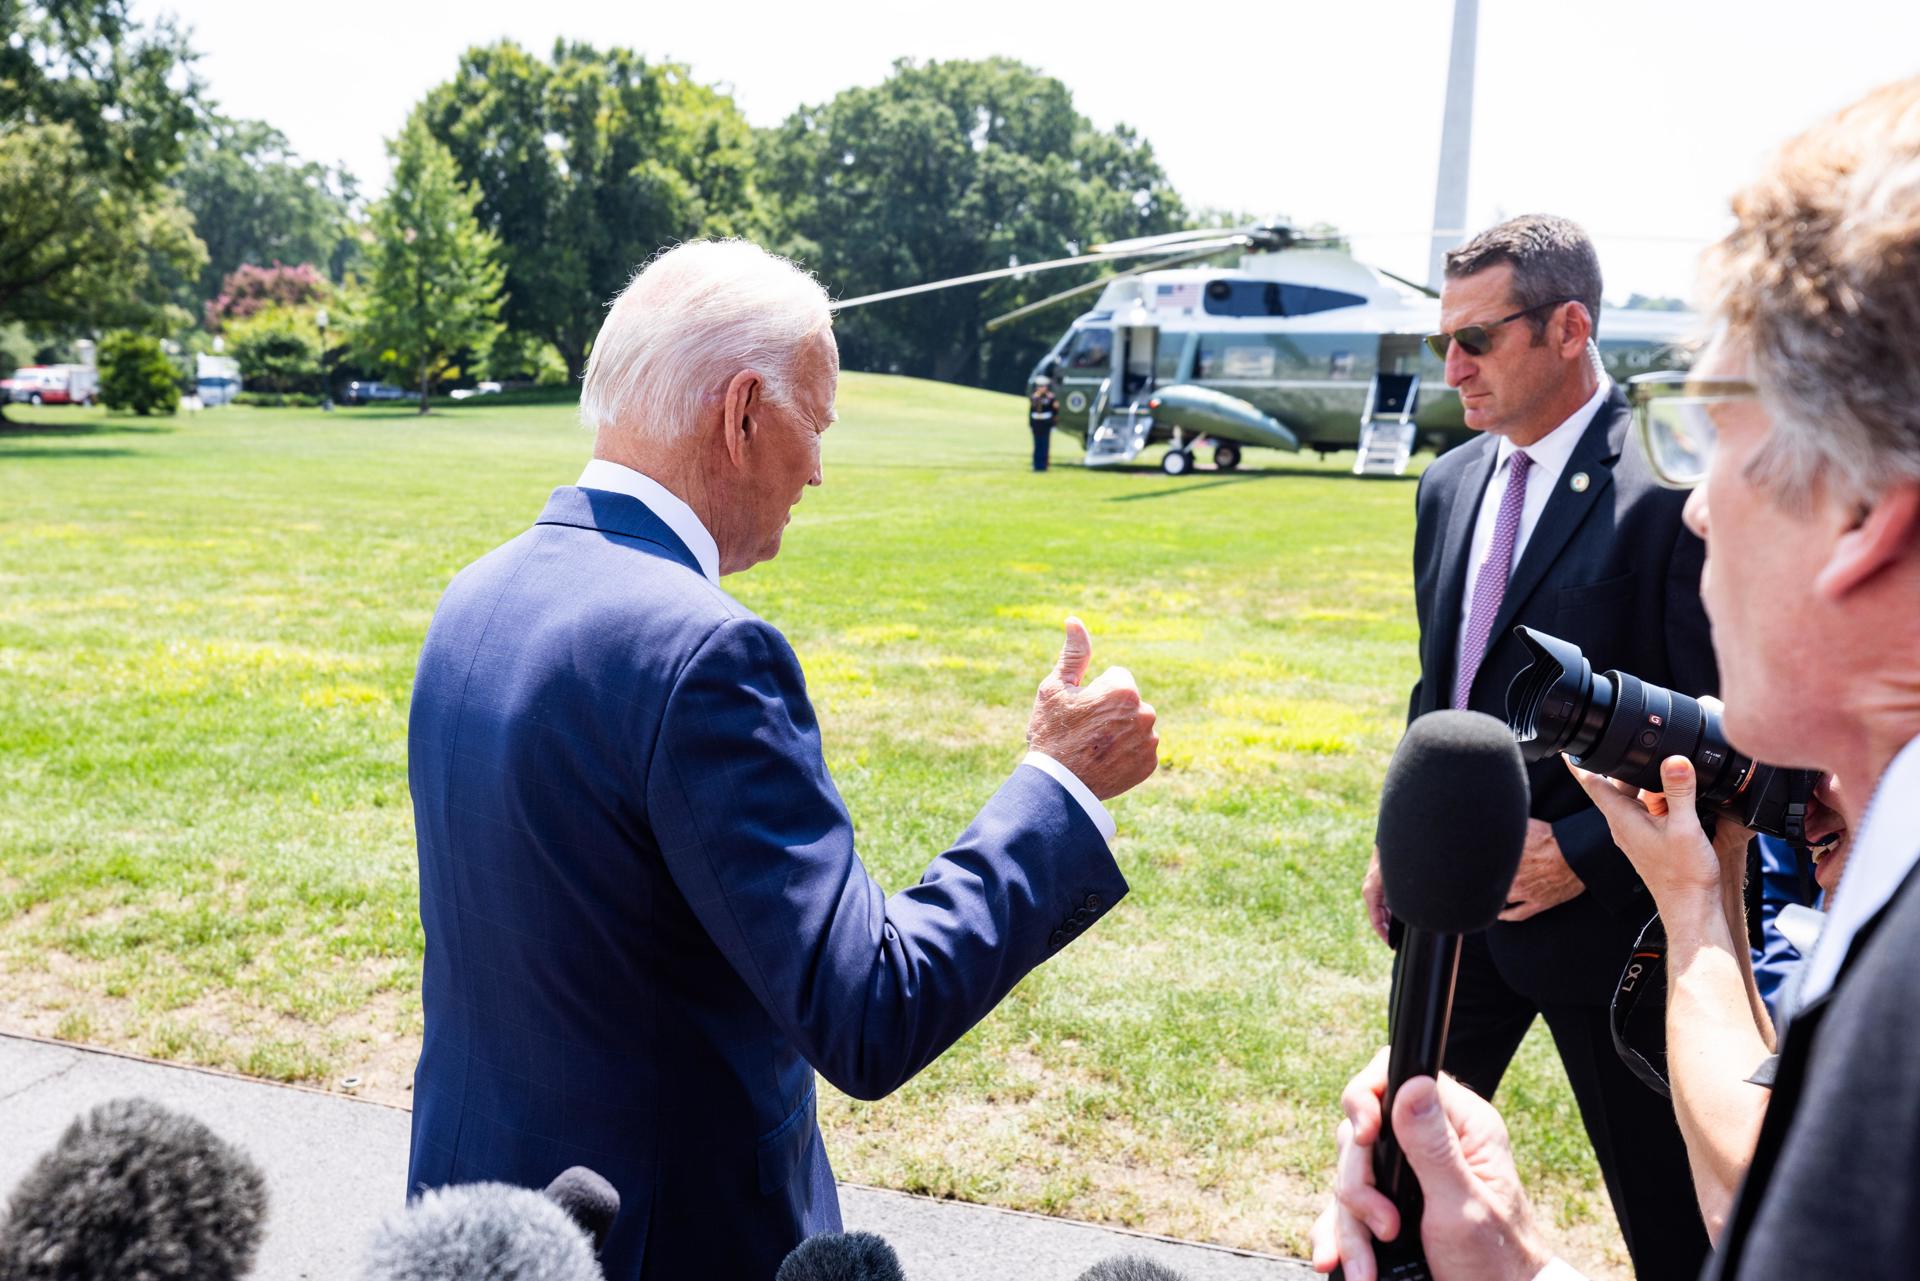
x: 785, y: 451
x: 1772, y: 634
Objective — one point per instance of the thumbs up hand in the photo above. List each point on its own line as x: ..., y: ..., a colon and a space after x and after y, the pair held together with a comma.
x: 1101, y: 731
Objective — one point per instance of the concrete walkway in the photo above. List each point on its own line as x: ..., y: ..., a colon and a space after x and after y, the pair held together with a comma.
x: 335, y: 1165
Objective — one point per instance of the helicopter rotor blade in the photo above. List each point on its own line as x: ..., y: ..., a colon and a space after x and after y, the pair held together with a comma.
x: 1021, y: 313
x: 1172, y: 239
x: 1428, y: 290
x: 1022, y: 269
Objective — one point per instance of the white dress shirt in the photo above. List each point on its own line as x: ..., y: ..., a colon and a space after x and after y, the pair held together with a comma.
x: 1549, y: 454
x: 680, y: 518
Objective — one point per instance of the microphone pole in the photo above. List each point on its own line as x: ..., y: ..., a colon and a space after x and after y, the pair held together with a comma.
x: 1453, y: 821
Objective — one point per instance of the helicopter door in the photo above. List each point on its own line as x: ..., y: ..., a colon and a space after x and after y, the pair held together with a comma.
x: 1387, y: 431
x: 1134, y: 355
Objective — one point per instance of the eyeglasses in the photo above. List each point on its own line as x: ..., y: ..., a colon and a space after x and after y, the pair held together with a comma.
x: 1673, y: 422
x: 1477, y: 340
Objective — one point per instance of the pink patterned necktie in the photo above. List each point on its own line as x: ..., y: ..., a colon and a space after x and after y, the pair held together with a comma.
x: 1490, y: 587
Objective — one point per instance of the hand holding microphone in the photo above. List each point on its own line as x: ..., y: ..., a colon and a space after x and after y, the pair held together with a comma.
x: 1453, y: 822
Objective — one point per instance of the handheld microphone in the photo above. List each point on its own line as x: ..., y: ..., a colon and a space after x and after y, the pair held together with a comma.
x: 1453, y: 822
x: 841, y: 1256
x: 589, y: 1201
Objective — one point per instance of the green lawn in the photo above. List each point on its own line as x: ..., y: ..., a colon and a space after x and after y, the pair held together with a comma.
x: 209, y: 626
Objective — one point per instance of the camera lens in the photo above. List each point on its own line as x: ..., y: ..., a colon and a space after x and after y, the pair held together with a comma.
x: 1556, y: 705
x: 1621, y: 726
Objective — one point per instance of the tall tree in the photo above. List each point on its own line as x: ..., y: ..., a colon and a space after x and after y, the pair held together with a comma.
x: 255, y: 201
x: 435, y: 281
x: 587, y: 164
x: 945, y: 169
x: 95, y: 111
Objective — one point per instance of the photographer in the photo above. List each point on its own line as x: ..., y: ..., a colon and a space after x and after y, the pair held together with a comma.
x: 1801, y: 425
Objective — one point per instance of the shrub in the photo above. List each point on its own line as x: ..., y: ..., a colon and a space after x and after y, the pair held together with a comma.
x: 278, y: 350
x: 136, y: 374
x: 278, y: 399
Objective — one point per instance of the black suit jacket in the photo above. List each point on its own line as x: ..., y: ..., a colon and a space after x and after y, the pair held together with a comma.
x: 1612, y: 569
x: 1834, y: 1187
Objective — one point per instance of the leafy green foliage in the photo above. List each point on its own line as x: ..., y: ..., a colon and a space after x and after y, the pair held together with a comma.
x: 945, y: 169
x: 136, y: 374
x: 93, y: 113
x: 434, y: 292
x: 587, y: 164
x: 254, y: 200
x: 129, y: 93
x: 278, y: 349
x: 81, y: 249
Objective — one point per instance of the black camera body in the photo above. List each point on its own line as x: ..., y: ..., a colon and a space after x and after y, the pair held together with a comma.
x: 1621, y: 726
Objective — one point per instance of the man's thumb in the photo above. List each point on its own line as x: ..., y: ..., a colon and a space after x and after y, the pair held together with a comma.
x: 1075, y: 654
x: 1432, y: 1149
x: 1677, y: 782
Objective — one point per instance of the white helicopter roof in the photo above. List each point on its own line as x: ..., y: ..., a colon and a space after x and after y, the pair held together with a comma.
x: 1176, y: 299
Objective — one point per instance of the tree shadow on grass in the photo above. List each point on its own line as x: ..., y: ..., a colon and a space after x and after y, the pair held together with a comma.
x: 8, y: 455
x: 13, y: 429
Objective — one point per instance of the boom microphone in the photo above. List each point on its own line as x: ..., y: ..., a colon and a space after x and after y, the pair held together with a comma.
x: 1453, y: 822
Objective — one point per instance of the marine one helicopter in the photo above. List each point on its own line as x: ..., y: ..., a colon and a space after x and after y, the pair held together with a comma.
x: 1300, y: 345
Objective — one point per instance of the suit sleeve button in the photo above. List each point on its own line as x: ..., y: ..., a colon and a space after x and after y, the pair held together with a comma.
x: 1080, y: 917
x: 1093, y: 902
x: 1059, y: 939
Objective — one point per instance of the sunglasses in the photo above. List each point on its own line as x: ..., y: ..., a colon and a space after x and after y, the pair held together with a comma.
x: 1477, y: 340
x: 1673, y: 421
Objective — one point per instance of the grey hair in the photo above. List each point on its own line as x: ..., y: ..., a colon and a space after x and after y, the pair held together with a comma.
x: 686, y: 323
x: 1819, y: 284
x: 1552, y: 261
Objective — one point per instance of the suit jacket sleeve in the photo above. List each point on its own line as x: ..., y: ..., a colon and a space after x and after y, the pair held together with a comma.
x: 1584, y: 838
x: 870, y: 988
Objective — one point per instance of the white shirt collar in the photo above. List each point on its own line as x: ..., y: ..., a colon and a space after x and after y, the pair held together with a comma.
x: 662, y: 502
x: 1550, y: 453
x: 1885, y: 850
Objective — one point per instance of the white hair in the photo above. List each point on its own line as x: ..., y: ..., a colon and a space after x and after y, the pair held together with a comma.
x: 686, y: 323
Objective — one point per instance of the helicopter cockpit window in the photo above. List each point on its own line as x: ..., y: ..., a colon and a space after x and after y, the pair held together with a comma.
x: 1091, y: 349
x: 1273, y: 298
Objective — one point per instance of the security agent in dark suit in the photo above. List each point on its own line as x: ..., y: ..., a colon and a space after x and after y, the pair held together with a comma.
x: 1797, y: 430
x: 1547, y: 521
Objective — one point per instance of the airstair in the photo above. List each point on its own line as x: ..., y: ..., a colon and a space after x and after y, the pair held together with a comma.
x: 1119, y: 438
x: 1118, y: 435
x: 1387, y: 431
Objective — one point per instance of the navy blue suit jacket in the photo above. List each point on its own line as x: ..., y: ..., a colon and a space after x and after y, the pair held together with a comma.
x: 645, y: 922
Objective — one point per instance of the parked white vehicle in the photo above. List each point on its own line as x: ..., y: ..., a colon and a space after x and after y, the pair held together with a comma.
x: 54, y: 385
x: 217, y: 379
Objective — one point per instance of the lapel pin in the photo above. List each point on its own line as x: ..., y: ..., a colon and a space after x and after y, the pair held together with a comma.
x: 1579, y: 482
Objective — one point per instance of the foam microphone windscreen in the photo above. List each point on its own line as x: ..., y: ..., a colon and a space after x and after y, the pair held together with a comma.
x: 1453, y: 820
x: 588, y: 1199
x: 842, y: 1256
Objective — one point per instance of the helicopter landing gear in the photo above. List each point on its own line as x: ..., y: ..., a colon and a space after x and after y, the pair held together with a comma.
x: 1177, y: 462
x: 1226, y: 456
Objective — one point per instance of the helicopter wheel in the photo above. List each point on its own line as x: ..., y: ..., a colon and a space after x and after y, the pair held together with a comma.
x: 1226, y: 457
x: 1178, y: 462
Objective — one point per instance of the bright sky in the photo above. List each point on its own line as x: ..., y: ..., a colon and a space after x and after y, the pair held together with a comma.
x: 1635, y: 117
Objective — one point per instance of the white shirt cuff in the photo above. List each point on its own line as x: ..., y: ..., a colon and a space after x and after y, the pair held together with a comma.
x: 1078, y: 790
x: 1558, y: 1269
